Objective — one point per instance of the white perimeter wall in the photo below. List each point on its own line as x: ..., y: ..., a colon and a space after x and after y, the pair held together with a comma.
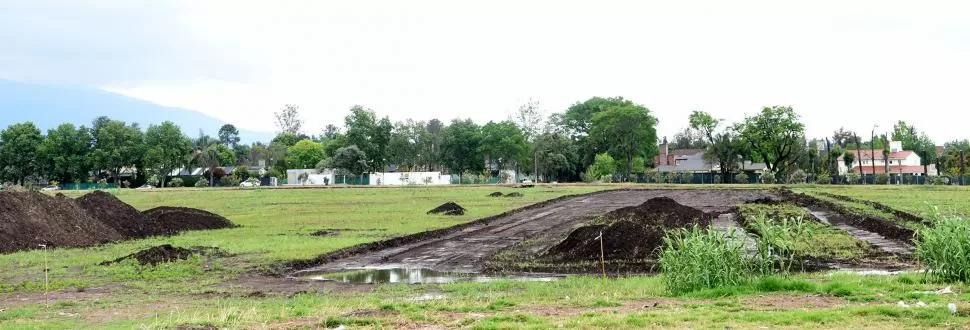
x: 409, y: 178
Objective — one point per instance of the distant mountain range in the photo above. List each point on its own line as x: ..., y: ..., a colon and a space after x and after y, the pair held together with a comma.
x: 48, y: 106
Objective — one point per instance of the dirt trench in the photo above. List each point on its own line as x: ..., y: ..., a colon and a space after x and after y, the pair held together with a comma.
x: 463, y: 248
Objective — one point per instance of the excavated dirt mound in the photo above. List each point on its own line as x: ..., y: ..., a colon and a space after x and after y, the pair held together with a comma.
x: 515, y: 194
x: 495, y: 194
x: 168, y: 220
x: 30, y: 218
x: 634, y: 232
x: 111, y: 211
x: 449, y: 208
x: 166, y: 253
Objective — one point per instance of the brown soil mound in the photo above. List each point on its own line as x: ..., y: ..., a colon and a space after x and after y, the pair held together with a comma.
x: 166, y: 253
x: 449, y: 208
x: 29, y: 218
x: 634, y: 232
x: 111, y: 211
x: 515, y: 194
x: 168, y: 220
x: 495, y: 194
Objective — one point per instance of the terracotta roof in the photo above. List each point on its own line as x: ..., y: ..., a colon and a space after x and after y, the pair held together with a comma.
x: 894, y: 169
x: 940, y: 150
x: 867, y: 154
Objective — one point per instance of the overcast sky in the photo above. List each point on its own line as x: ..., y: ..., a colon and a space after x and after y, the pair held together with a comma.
x: 838, y: 63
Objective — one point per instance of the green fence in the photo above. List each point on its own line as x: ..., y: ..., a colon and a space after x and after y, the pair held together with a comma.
x: 86, y: 186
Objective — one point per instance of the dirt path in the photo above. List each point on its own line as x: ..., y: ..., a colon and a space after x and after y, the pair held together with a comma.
x: 464, y: 250
x: 886, y: 245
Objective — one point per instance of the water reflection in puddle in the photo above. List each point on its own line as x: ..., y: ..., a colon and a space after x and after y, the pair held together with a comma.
x: 414, y: 276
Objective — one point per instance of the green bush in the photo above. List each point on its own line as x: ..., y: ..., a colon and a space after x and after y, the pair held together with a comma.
x: 823, y: 178
x: 717, y: 178
x: 741, y: 178
x: 231, y: 181
x: 686, y: 177
x: 658, y: 177
x: 777, y: 239
x: 798, y: 177
x: 201, y: 183
x: 767, y: 177
x: 176, y: 182
x: 945, y: 248
x: 882, y: 178
x: 694, y: 259
x: 852, y: 178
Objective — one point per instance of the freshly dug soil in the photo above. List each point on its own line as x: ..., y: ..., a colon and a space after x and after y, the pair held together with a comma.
x: 634, y: 232
x: 30, y: 218
x: 515, y: 194
x: 883, y: 227
x: 449, y: 208
x: 166, y: 253
x: 323, y: 232
x: 168, y: 220
x: 111, y: 211
x: 495, y: 194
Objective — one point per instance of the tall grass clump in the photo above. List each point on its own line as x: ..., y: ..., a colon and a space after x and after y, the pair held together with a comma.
x: 694, y: 259
x: 945, y: 248
x: 777, y: 242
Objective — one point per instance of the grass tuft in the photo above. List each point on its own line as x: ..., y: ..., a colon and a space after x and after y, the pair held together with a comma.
x: 694, y: 259
x: 945, y: 248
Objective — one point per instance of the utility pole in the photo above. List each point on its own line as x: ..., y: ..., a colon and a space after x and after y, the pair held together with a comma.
x: 872, y: 152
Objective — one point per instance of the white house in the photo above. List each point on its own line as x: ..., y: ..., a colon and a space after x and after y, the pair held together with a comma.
x: 873, y: 161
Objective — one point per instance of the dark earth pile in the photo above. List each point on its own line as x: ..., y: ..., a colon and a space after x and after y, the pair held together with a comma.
x: 634, y: 232
x: 166, y: 253
x: 29, y: 219
x: 449, y: 208
x: 111, y: 211
x: 515, y: 194
x: 168, y: 220
x: 495, y: 194
x: 323, y: 232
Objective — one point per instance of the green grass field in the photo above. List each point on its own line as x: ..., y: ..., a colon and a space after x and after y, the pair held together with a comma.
x: 276, y: 226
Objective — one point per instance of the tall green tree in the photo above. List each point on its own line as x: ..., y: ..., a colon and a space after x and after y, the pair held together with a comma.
x: 774, y: 135
x: 229, y: 135
x: 370, y: 135
x: 724, y: 148
x: 166, y: 149
x: 431, y: 143
x: 461, y: 147
x: 842, y: 137
x: 349, y: 159
x: 577, y: 122
x: 64, y: 152
x: 305, y: 154
x: 19, y: 146
x: 627, y: 131
x: 116, y: 146
x: 503, y: 144
x: 925, y: 148
x: 205, y: 153
x: 907, y: 134
x: 555, y: 156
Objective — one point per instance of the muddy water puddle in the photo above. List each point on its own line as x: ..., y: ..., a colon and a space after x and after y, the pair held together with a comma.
x: 415, y: 276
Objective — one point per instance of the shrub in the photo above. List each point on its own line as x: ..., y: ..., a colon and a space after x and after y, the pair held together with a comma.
x: 741, y: 178
x: 823, y: 178
x: 717, y: 179
x: 232, y: 180
x: 201, y: 183
x: 686, y: 177
x: 945, y: 248
x: 852, y: 178
x: 694, y: 259
x: 798, y: 177
x: 658, y: 177
x: 882, y: 178
x: 767, y: 177
x: 776, y: 240
x: 103, y: 183
x: 176, y: 182
x: 241, y: 172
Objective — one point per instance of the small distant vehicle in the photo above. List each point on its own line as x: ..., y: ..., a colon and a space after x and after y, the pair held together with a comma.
x: 50, y: 188
x: 247, y: 184
x: 145, y: 187
x: 526, y: 184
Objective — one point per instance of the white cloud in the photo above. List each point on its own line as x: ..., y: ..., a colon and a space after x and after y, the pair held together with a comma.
x: 838, y: 63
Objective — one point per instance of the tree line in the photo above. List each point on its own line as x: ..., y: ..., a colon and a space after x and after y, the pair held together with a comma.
x: 602, y: 138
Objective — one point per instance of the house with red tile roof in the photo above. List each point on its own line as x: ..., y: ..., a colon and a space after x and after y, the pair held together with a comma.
x: 873, y: 161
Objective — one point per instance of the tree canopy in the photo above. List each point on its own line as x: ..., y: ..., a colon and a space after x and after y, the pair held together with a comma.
x: 774, y: 135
